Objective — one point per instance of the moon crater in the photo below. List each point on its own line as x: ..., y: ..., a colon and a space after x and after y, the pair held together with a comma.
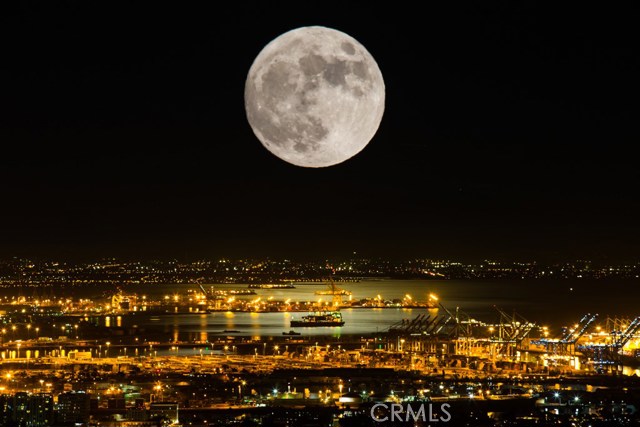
x: 314, y: 97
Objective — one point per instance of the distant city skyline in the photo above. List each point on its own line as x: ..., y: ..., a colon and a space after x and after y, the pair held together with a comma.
x: 118, y: 272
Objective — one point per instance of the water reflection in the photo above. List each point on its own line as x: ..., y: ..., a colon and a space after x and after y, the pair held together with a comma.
x: 205, y: 327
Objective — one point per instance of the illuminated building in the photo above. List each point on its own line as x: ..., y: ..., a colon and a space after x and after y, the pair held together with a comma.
x: 73, y: 407
x: 32, y: 410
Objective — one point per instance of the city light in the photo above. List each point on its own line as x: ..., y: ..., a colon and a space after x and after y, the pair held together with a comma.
x: 460, y: 341
x: 448, y: 274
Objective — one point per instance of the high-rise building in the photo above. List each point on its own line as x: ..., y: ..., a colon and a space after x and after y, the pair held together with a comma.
x: 6, y: 405
x: 32, y: 410
x: 73, y: 407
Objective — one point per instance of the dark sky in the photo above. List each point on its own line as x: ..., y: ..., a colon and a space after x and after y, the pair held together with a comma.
x: 509, y: 132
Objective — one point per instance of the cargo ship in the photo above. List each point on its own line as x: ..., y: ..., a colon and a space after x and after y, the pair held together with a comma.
x: 272, y: 286
x: 322, y: 318
x: 241, y: 292
x: 334, y: 292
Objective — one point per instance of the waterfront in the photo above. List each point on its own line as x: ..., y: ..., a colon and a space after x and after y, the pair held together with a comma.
x: 191, y: 345
x: 552, y: 302
x: 190, y: 327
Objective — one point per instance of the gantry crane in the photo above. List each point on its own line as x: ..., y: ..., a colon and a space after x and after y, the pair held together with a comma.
x: 512, y: 330
x: 566, y: 343
x: 609, y: 352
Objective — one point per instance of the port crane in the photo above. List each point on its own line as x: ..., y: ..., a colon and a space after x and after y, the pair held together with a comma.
x: 621, y: 331
x: 335, y: 292
x: 204, y: 291
x: 459, y: 332
x: 511, y: 330
x: 623, y: 337
x: 572, y: 335
x: 423, y: 324
x: 443, y: 324
x: 566, y: 343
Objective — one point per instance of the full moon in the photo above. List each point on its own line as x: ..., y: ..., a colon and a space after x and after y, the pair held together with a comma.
x: 314, y: 97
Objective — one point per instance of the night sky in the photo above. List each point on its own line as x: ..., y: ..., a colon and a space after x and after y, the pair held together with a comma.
x: 509, y: 133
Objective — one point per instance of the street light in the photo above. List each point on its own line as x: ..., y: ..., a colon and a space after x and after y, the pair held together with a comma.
x: 106, y: 353
x: 158, y: 388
